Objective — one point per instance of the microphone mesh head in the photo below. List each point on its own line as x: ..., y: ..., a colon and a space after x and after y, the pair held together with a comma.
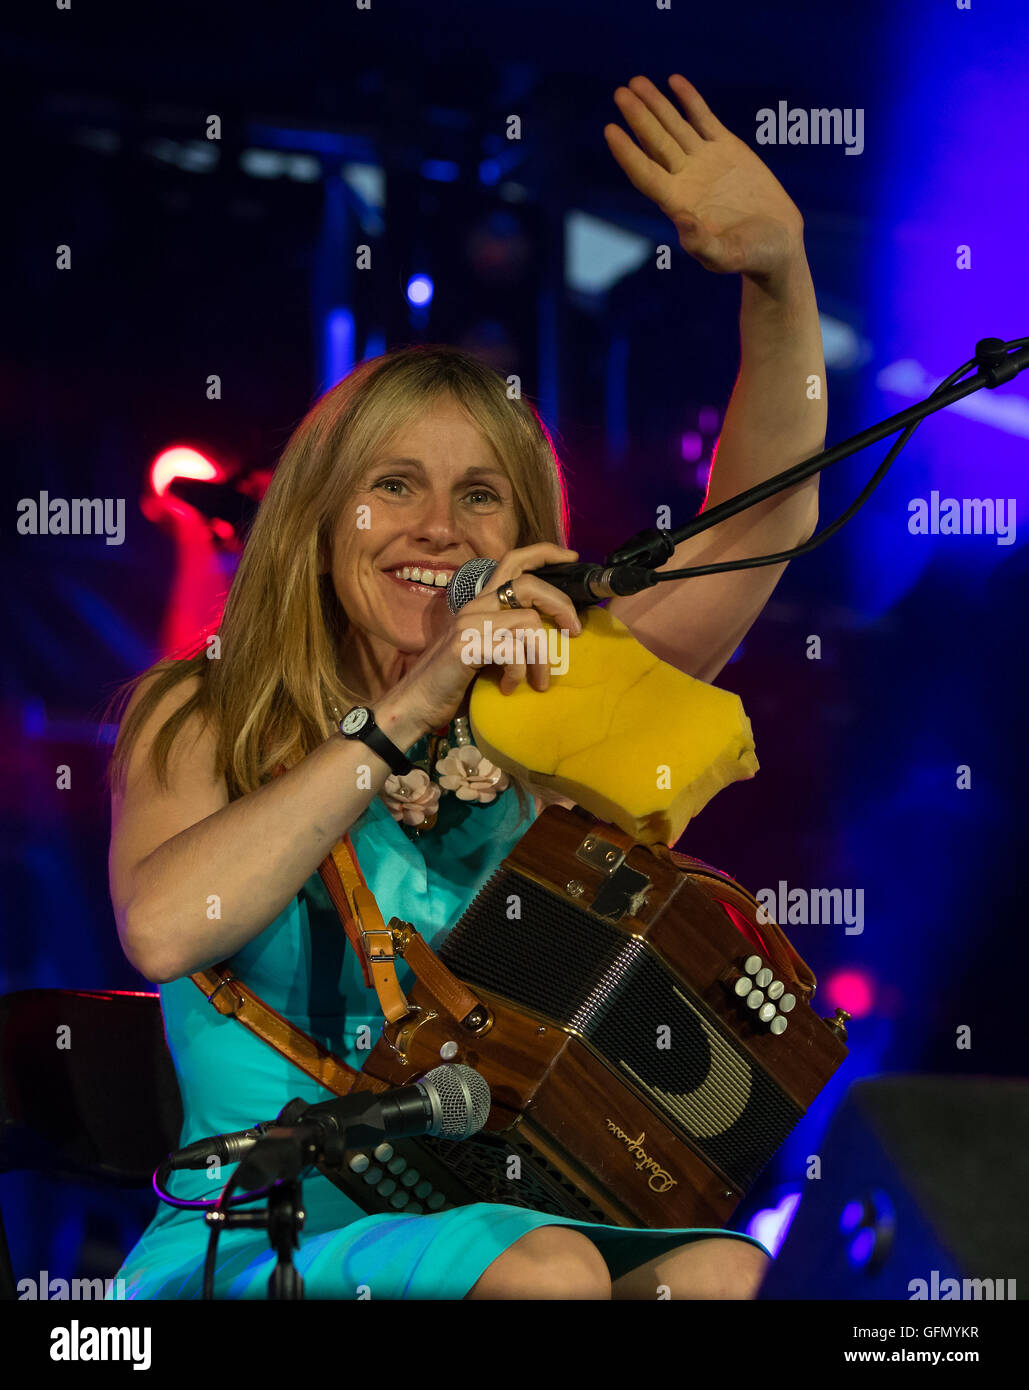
x: 466, y: 582
x: 463, y: 1096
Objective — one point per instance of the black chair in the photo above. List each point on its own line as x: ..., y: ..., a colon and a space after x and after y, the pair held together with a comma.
x: 88, y: 1091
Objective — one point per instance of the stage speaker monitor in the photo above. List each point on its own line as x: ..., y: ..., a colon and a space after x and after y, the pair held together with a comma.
x: 924, y: 1179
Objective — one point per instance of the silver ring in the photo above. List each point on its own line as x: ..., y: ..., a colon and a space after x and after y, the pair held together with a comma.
x: 507, y: 597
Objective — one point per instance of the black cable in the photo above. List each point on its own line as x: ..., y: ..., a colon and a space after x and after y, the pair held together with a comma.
x: 290, y: 1112
x: 756, y: 561
x: 198, y: 1204
x: 212, y: 1242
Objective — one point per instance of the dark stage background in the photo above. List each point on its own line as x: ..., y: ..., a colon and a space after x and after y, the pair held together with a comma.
x: 340, y: 126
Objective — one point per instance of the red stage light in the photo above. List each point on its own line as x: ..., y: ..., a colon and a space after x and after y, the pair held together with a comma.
x: 180, y: 461
x: 198, y: 584
x: 853, y: 990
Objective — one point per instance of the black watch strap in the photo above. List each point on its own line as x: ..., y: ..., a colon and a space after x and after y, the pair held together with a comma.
x: 359, y: 723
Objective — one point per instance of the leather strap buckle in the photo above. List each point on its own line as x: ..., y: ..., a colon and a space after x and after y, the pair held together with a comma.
x: 378, y: 958
x: 237, y: 1000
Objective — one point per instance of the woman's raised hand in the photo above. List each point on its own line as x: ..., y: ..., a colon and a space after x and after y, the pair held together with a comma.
x: 730, y: 211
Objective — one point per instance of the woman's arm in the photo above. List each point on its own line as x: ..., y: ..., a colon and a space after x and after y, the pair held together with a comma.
x: 775, y: 418
x: 734, y: 217
x: 195, y: 877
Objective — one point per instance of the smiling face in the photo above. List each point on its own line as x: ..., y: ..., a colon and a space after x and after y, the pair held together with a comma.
x: 436, y: 497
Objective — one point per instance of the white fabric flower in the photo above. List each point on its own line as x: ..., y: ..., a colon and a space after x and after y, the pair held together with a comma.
x: 472, y: 777
x: 413, y: 798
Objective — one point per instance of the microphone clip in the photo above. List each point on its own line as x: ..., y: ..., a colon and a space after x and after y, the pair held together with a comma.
x: 648, y: 549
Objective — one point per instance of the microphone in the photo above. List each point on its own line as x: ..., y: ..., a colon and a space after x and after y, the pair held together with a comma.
x: 582, y: 582
x: 451, y: 1101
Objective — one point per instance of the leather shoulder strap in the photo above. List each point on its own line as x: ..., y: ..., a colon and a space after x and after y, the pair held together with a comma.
x: 331, y: 871
x: 377, y: 945
x: 362, y: 921
x: 366, y: 931
x: 234, y: 999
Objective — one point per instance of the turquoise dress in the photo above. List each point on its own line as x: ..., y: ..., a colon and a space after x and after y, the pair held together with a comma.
x: 303, y: 966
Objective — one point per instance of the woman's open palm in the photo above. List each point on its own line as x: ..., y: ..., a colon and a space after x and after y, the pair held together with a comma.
x: 731, y: 213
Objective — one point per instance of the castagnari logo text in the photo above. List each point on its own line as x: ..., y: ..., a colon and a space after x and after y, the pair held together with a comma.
x: 660, y: 1180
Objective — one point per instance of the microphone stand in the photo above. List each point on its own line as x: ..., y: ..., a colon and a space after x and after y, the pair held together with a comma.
x: 285, y: 1220
x: 652, y: 547
x: 306, y: 1135
x: 279, y: 1157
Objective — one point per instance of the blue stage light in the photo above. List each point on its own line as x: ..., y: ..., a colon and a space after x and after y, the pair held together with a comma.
x: 338, y: 336
x: 771, y: 1224
x: 419, y: 290
x: 852, y: 1216
x: 861, y: 1247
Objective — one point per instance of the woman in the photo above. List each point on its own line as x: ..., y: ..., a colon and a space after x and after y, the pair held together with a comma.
x: 417, y: 460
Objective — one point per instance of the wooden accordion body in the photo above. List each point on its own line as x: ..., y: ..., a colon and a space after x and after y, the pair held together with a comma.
x: 630, y: 1077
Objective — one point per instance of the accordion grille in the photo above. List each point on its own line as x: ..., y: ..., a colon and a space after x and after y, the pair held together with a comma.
x: 522, y: 942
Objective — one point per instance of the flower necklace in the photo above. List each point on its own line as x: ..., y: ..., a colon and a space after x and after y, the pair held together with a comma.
x: 413, y: 798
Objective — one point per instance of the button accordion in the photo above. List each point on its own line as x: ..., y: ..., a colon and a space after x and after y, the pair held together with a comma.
x: 645, y: 1030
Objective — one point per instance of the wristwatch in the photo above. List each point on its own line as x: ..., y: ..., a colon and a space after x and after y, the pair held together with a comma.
x: 359, y: 723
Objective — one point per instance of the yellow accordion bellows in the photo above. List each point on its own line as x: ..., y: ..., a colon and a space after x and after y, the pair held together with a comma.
x: 632, y: 739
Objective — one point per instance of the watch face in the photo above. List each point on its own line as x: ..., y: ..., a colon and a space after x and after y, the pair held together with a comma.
x: 355, y: 721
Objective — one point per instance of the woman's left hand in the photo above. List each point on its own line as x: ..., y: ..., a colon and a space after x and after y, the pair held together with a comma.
x: 731, y: 213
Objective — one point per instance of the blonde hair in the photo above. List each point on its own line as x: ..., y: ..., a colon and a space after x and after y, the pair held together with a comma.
x: 277, y: 678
